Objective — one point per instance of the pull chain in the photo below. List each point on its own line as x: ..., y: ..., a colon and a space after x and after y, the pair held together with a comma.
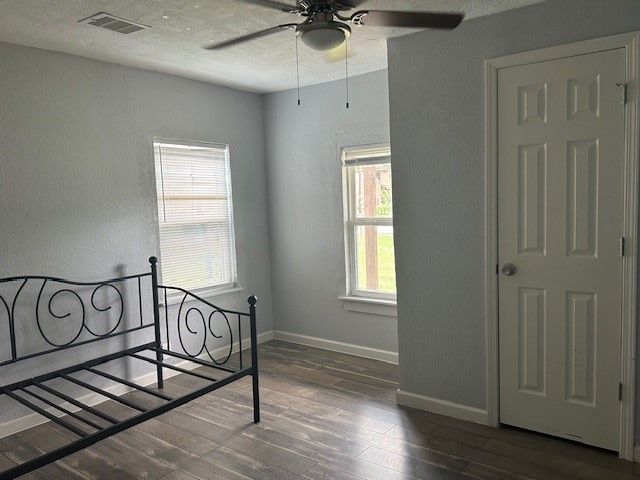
x: 298, y: 70
x: 346, y: 67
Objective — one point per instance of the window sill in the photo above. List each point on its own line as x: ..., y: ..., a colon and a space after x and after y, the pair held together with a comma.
x: 204, y: 293
x: 373, y: 306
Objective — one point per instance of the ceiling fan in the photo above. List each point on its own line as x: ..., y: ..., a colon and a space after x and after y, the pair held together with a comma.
x: 325, y: 27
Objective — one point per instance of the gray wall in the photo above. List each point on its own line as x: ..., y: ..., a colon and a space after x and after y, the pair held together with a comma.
x: 304, y: 179
x: 436, y: 86
x: 77, y: 185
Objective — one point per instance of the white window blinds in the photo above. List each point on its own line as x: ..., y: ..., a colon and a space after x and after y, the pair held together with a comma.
x: 197, y: 248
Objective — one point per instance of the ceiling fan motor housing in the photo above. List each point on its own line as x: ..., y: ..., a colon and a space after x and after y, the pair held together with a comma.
x: 309, y: 7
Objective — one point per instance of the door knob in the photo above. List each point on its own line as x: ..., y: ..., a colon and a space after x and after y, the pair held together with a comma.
x: 509, y: 269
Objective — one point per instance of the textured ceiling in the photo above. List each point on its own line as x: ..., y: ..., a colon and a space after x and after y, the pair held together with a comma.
x: 173, y: 44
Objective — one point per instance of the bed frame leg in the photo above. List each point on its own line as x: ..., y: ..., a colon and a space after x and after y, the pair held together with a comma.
x: 156, y: 319
x: 254, y: 357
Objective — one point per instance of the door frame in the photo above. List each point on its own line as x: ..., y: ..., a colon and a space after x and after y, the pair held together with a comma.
x: 630, y: 42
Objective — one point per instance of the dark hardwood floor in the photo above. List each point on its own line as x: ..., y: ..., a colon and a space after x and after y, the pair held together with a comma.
x: 325, y: 415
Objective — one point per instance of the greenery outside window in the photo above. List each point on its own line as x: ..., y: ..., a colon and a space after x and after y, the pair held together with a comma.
x: 195, y: 215
x: 369, y: 222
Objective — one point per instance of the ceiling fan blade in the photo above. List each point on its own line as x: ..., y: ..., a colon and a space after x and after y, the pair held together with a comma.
x: 390, y: 18
x: 251, y: 36
x: 283, y: 7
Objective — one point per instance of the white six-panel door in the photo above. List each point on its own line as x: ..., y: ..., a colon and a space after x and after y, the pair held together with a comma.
x: 560, y: 206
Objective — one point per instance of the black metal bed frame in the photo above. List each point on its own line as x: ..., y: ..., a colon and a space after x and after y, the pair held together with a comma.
x: 43, y: 399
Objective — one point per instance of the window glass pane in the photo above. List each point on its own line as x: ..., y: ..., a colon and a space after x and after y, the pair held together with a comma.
x: 375, y: 261
x: 372, y: 191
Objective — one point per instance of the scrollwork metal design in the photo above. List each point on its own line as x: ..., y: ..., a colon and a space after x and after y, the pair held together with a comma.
x: 190, y: 330
x: 226, y: 319
x: 82, y: 324
x: 14, y: 346
x: 57, y: 316
x: 207, y: 328
x: 72, y: 307
x: 106, y: 309
x: 11, y: 319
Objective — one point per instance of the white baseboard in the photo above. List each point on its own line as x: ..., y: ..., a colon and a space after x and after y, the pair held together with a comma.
x: 360, y: 351
x: 33, y: 419
x: 442, y: 407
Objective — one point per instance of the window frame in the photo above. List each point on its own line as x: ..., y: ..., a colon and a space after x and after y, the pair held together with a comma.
x: 351, y: 221
x: 211, y: 289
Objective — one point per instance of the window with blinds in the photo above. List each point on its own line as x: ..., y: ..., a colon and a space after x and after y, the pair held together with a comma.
x: 195, y: 214
x: 369, y: 222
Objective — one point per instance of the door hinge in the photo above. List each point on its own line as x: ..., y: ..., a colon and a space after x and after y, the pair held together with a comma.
x: 620, y: 392
x: 624, y: 88
x: 497, y: 269
x: 621, y: 246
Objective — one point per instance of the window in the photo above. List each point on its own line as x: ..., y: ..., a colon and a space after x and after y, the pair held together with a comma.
x: 197, y: 248
x: 369, y: 222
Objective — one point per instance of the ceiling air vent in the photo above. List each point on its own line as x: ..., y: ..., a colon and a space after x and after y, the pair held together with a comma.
x: 111, y: 22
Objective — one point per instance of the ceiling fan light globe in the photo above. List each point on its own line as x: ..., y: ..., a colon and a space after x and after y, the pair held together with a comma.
x: 323, y: 39
x: 323, y: 35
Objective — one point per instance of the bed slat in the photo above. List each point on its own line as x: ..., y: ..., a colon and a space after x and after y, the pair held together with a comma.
x: 62, y: 409
x: 110, y: 395
x: 130, y: 384
x: 44, y: 413
x: 173, y: 367
x: 77, y: 403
